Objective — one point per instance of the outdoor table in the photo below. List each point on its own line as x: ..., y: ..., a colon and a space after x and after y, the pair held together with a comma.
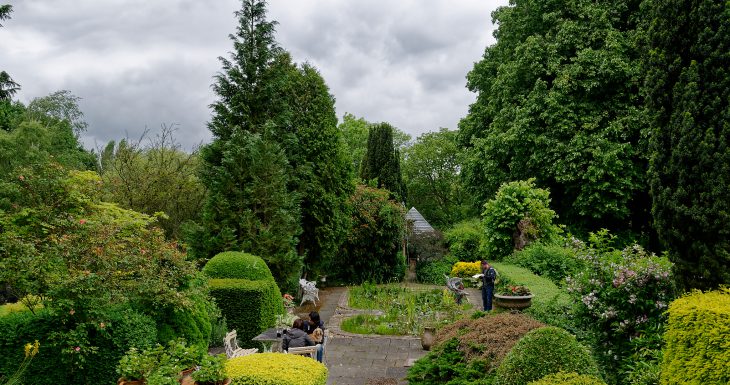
x: 271, y: 342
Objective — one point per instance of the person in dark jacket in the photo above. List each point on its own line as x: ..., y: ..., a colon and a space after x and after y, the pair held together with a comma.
x: 488, y: 285
x: 296, y: 337
x: 313, y: 323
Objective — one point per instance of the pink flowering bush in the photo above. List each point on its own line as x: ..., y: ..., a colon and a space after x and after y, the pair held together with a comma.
x: 621, y: 298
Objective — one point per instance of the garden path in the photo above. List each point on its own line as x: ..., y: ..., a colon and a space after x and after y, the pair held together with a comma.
x: 354, y: 359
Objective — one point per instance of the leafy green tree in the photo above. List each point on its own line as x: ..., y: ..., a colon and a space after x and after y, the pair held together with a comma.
x: 152, y: 178
x: 518, y: 215
x: 372, y: 250
x: 558, y: 100
x: 382, y: 160
x: 8, y: 87
x: 250, y: 208
x: 688, y: 100
x: 60, y: 106
x: 431, y: 172
x: 36, y: 137
x: 355, y: 133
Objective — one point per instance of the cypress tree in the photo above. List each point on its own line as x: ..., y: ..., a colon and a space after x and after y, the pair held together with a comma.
x: 382, y: 160
x: 688, y: 101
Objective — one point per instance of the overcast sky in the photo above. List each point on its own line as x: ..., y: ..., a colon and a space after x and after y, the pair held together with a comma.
x: 141, y: 63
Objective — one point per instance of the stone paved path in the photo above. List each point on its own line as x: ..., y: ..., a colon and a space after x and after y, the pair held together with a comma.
x: 355, y: 359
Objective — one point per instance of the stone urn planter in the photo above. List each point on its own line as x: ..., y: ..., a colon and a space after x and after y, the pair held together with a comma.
x: 513, y: 302
x: 428, y: 337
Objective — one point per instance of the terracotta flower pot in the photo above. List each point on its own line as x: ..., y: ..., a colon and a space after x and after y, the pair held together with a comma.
x: 428, y: 337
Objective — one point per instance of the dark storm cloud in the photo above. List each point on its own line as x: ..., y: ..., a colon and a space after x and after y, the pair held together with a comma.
x: 138, y: 63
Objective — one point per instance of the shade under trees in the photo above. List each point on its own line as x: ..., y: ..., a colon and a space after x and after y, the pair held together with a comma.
x: 688, y: 99
x: 558, y: 100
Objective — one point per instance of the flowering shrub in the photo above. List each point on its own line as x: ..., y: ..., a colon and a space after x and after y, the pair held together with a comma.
x: 288, y: 301
x: 465, y: 269
x: 516, y: 290
x: 620, y: 297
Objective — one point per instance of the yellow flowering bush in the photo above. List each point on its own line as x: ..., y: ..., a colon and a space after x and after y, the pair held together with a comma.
x: 276, y: 369
x: 697, y: 346
x: 466, y: 269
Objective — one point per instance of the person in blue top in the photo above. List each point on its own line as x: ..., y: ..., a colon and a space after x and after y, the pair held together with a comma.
x: 488, y: 285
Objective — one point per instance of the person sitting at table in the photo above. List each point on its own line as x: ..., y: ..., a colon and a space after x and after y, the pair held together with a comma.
x: 311, y: 326
x: 296, y: 337
x: 315, y: 328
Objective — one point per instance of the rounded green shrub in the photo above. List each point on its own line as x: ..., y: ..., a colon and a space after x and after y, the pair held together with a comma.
x: 276, y: 369
x: 464, y: 240
x: 192, y: 323
x: 544, y: 351
x: 518, y: 207
x: 239, y: 265
x: 563, y: 378
x: 697, y: 349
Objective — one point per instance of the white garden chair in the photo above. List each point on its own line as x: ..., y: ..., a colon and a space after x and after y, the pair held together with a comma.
x: 309, y: 291
x: 231, y: 344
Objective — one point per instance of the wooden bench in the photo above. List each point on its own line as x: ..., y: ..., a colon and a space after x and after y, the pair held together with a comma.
x: 231, y: 344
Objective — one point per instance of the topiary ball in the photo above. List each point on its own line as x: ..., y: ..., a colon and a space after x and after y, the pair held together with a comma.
x: 237, y: 265
x: 276, y: 369
x: 563, y: 378
x: 542, y: 352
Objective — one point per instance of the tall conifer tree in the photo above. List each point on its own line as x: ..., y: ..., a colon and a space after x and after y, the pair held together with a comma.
x: 688, y: 98
x: 382, y: 160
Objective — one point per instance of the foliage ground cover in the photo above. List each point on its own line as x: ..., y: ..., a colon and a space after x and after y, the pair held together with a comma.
x: 470, y: 350
x: 276, y: 369
x: 405, y: 310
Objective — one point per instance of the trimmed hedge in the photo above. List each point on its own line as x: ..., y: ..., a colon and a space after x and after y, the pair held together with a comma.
x: 563, y: 378
x: 276, y: 369
x: 193, y: 324
x: 236, y: 264
x: 541, y: 352
x: 697, y: 345
x: 466, y: 269
x: 250, y: 307
x: 124, y: 328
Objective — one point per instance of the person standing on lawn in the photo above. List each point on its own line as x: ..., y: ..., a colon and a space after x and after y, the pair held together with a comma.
x: 488, y: 277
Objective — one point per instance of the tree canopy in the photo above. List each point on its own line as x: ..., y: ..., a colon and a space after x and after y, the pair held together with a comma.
x: 558, y: 100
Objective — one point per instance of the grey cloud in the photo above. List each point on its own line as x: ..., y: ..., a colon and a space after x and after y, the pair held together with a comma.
x: 140, y: 63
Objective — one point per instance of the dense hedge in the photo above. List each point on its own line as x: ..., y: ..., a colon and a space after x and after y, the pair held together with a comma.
x: 193, y: 324
x: 250, y: 307
x: 276, y: 369
x: 697, y: 346
x: 466, y: 269
x: 235, y: 264
x: 124, y: 328
x: 568, y: 379
x: 541, y: 352
x: 433, y: 271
